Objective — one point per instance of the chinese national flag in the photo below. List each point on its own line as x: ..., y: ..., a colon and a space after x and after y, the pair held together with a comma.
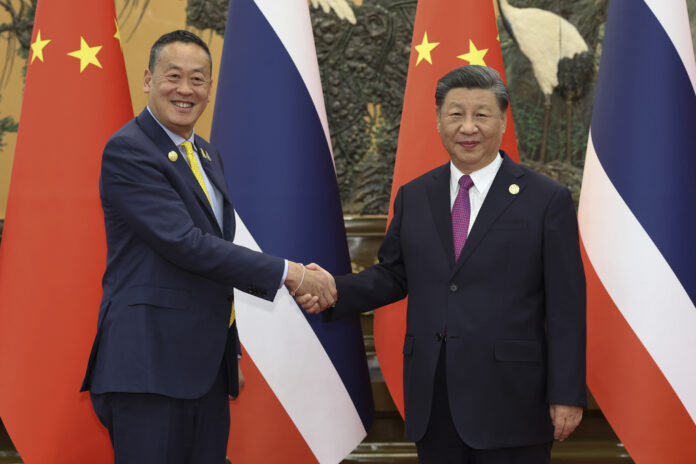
x: 53, y: 247
x: 447, y: 34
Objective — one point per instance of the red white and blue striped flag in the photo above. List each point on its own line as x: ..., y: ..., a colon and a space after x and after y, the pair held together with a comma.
x: 307, y: 381
x: 638, y: 225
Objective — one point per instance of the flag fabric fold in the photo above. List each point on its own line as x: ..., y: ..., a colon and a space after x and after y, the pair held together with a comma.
x: 446, y: 34
x: 307, y: 381
x: 637, y: 227
x: 53, y: 247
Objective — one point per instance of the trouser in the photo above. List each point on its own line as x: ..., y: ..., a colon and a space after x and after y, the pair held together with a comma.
x: 155, y: 429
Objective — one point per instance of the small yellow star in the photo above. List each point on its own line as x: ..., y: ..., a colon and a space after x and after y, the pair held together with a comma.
x: 37, y: 47
x: 118, y: 33
x: 475, y: 56
x: 424, y: 49
x: 87, y: 55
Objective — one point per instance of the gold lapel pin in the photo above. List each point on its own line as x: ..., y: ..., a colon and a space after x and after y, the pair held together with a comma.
x: 514, y: 189
x: 173, y: 156
x: 205, y: 155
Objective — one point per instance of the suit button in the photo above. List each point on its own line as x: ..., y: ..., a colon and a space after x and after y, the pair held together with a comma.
x: 453, y: 287
x: 438, y: 336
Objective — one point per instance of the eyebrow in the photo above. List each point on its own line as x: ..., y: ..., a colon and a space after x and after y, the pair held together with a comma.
x: 179, y: 68
x: 478, y: 107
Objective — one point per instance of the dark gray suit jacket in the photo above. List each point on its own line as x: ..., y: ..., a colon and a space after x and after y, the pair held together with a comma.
x: 513, y: 305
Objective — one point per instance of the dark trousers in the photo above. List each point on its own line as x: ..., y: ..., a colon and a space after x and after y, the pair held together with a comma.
x: 442, y: 444
x: 155, y: 429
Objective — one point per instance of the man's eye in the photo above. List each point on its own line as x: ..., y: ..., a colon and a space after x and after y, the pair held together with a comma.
x: 173, y: 77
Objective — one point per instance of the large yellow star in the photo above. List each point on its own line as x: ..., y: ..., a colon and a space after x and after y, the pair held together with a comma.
x: 424, y: 49
x: 87, y: 55
x: 118, y: 33
x: 475, y: 56
x: 37, y: 47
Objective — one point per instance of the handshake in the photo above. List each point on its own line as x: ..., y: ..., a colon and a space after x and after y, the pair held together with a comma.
x: 312, y: 286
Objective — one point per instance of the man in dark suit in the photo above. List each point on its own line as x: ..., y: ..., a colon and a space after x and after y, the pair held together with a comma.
x: 487, y: 252
x: 164, y: 358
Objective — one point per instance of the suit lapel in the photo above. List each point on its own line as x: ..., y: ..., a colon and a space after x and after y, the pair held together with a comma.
x: 497, y: 200
x: 210, y: 166
x: 148, y: 124
x: 439, y: 196
x: 213, y: 169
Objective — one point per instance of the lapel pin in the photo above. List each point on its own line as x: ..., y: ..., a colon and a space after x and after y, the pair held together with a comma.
x: 514, y: 189
x: 205, y: 155
x: 173, y: 156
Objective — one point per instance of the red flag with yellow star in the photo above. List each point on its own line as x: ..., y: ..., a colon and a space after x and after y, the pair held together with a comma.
x: 447, y: 34
x: 53, y: 249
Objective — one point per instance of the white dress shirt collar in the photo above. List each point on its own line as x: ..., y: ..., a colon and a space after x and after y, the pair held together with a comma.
x: 175, y: 138
x: 483, y: 178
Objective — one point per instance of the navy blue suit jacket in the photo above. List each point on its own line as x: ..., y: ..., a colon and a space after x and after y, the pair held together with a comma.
x: 513, y: 305
x: 164, y: 318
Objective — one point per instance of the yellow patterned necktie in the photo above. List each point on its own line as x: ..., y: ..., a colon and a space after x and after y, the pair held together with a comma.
x: 193, y: 164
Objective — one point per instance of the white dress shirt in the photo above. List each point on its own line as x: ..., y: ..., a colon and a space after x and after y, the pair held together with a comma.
x: 483, y: 179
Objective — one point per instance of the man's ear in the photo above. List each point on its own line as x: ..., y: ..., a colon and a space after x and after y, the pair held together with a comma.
x: 147, y: 81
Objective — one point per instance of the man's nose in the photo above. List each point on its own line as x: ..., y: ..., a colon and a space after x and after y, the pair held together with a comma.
x: 468, y: 126
x: 185, y: 87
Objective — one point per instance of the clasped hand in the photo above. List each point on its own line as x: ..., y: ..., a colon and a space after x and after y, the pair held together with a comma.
x: 312, y: 286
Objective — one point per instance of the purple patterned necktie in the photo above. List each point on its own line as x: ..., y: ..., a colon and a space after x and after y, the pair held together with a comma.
x: 461, y: 212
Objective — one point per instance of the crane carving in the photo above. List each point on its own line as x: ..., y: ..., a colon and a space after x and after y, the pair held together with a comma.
x: 556, y: 50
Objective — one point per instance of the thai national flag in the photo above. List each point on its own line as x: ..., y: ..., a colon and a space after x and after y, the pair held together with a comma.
x: 638, y: 226
x: 308, y: 395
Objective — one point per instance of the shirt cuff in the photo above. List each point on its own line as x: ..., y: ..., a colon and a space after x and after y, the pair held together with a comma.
x: 285, y: 274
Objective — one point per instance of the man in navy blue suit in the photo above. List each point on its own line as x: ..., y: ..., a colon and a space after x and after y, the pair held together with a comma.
x: 488, y: 253
x: 164, y: 359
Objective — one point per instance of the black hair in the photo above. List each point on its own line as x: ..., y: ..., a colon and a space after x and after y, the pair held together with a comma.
x: 176, y: 36
x: 473, y: 77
